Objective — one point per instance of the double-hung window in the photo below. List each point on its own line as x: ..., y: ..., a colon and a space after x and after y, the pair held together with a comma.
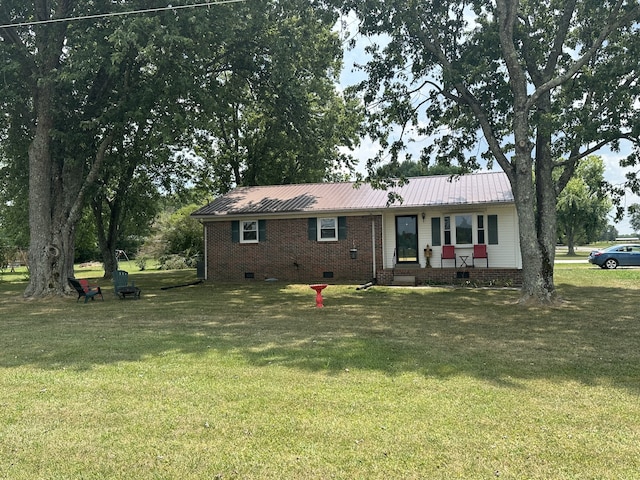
x: 328, y: 229
x: 249, y: 233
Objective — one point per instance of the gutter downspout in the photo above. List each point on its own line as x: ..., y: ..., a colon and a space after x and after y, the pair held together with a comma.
x: 206, y: 260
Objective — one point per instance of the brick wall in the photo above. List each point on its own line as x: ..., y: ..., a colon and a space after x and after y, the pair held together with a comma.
x: 479, y: 276
x: 288, y: 255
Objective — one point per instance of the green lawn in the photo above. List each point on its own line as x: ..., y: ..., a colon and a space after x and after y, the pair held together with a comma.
x: 252, y: 381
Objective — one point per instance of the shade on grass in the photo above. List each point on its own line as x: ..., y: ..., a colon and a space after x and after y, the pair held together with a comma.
x: 253, y: 381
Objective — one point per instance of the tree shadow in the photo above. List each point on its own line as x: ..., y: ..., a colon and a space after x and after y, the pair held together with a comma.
x: 593, y: 339
x: 249, y: 200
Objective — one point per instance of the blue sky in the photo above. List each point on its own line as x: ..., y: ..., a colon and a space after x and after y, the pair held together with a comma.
x: 350, y: 76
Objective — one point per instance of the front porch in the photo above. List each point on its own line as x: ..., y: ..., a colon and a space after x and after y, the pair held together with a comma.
x: 476, y: 276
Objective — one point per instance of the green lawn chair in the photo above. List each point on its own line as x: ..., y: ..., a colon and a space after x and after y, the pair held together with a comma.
x: 121, y: 285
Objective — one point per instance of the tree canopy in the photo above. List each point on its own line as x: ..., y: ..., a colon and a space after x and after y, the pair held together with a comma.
x: 99, y: 110
x: 533, y: 86
x: 270, y: 112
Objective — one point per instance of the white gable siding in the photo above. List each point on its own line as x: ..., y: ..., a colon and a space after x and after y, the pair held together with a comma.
x: 504, y: 255
x: 388, y: 238
x: 507, y: 252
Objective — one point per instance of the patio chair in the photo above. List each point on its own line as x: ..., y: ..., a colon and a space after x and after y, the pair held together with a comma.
x: 121, y: 286
x: 448, y: 253
x: 87, y: 293
x: 480, y: 251
x: 120, y: 278
x: 86, y: 285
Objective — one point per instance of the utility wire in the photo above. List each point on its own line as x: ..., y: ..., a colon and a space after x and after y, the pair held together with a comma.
x: 118, y: 14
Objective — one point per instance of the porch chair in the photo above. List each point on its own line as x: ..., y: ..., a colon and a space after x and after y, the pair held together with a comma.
x: 480, y: 251
x: 87, y: 293
x: 448, y: 253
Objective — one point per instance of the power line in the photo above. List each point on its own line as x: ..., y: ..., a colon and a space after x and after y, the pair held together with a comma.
x: 118, y: 14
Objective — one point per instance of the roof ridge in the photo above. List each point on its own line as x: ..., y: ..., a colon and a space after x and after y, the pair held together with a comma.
x: 471, y: 174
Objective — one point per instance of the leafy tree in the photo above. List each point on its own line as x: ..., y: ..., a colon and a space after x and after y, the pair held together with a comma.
x: 270, y: 110
x: 184, y: 233
x: 536, y: 80
x: 75, y: 91
x: 583, y: 205
x: 609, y: 234
x: 576, y: 214
x: 93, y: 106
x: 176, y: 239
x: 634, y: 219
x: 409, y: 168
x: 14, y: 162
x: 86, y: 248
x: 127, y: 196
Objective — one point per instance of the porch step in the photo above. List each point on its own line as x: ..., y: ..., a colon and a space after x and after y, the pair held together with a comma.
x: 404, y: 280
x: 407, y: 266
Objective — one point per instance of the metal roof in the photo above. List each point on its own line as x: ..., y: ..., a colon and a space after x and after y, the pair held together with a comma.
x: 472, y: 189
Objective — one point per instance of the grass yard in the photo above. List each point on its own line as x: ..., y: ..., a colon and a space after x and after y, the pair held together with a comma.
x: 252, y: 381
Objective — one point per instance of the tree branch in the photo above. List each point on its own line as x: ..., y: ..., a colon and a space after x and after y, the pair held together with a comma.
x: 466, y: 97
x: 613, y: 23
x: 92, y: 176
x: 575, y: 156
x: 25, y: 59
x: 560, y: 37
x: 507, y: 15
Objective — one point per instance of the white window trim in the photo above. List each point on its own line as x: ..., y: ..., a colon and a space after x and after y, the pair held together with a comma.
x: 319, y: 229
x: 242, y: 231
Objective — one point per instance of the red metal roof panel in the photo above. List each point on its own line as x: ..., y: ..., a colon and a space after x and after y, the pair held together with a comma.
x: 488, y: 187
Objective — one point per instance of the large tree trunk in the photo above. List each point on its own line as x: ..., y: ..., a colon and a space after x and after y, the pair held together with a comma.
x: 537, y: 284
x: 56, y: 198
x: 546, y: 200
x: 537, y: 255
x: 50, y: 237
x: 44, y: 250
x: 537, y: 281
x: 51, y: 225
x: 536, y: 217
x: 534, y: 203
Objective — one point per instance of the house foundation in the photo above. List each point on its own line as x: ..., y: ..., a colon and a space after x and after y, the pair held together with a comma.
x: 497, y: 277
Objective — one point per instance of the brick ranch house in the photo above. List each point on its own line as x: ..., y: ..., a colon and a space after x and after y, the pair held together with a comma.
x: 336, y: 232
